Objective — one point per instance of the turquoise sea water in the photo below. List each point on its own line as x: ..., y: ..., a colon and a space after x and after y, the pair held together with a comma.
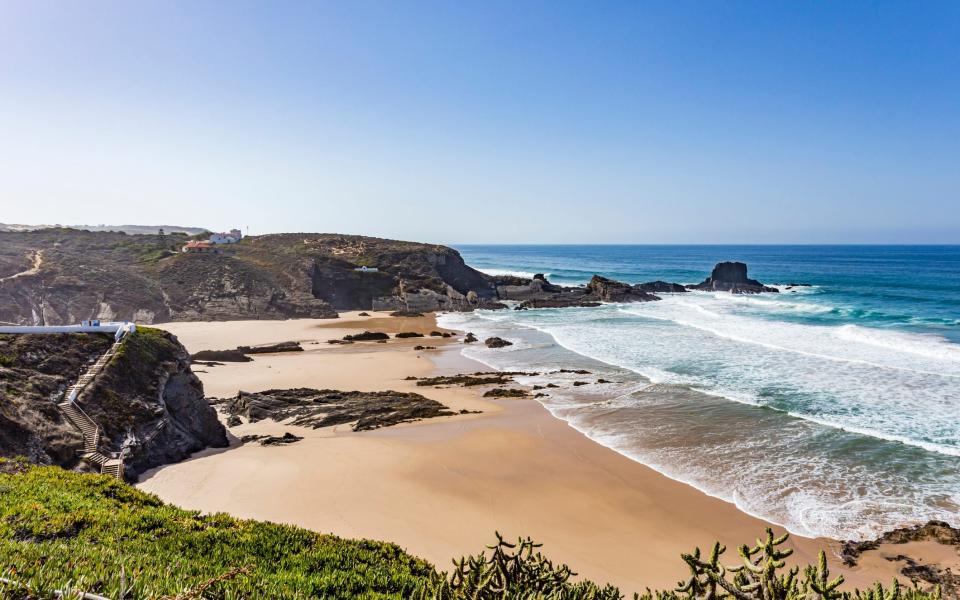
x: 832, y: 409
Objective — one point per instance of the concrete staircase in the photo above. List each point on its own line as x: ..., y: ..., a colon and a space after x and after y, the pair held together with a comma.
x: 108, y: 465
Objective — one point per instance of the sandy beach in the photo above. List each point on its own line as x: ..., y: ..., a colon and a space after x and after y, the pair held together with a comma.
x: 440, y: 488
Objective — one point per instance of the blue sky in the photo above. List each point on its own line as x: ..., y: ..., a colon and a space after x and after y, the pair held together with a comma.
x: 539, y: 122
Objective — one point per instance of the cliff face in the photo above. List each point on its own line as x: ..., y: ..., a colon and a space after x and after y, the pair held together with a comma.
x: 35, y: 370
x: 146, y: 399
x: 61, y: 276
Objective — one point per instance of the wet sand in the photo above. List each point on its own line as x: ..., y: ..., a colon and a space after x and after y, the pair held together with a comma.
x: 440, y: 488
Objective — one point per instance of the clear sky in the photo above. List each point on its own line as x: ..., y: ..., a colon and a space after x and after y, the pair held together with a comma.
x: 631, y: 122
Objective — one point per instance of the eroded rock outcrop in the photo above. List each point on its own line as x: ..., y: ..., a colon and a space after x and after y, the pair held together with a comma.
x: 146, y: 400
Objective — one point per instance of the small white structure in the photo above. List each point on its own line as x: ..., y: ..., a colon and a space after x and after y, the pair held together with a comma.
x: 118, y: 328
x: 366, y: 269
x: 229, y: 237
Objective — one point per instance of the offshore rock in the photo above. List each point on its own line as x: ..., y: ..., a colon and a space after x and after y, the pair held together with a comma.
x: 609, y: 290
x: 732, y: 277
x: 497, y: 342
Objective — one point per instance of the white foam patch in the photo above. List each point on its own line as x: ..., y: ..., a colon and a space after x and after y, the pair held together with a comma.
x: 511, y: 273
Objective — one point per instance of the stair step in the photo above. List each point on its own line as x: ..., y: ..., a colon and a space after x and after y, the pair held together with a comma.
x: 96, y: 458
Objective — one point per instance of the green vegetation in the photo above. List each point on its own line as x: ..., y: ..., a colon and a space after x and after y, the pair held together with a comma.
x: 60, y: 529
x: 146, y: 345
x: 65, y: 531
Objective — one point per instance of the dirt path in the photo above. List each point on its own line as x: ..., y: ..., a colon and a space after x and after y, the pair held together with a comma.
x: 37, y: 263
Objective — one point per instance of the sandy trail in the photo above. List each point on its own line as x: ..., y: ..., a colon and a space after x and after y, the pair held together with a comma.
x: 37, y: 263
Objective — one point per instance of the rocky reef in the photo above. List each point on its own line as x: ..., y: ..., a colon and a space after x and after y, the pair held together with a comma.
x: 540, y: 293
x: 146, y: 400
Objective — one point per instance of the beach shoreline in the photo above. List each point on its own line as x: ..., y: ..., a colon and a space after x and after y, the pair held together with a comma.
x: 440, y: 487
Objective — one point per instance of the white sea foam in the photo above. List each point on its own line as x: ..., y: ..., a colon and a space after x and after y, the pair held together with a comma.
x: 511, y: 273
x: 889, y: 387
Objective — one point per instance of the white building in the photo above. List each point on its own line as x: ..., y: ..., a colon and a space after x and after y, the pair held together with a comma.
x: 231, y: 237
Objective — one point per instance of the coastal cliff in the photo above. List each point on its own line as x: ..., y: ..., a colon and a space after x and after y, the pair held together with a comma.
x: 60, y: 276
x: 146, y: 399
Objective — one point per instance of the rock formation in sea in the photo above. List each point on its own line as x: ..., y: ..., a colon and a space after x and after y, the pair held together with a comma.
x: 146, y: 400
x: 497, y: 342
x: 609, y: 290
x: 732, y: 277
x: 539, y: 293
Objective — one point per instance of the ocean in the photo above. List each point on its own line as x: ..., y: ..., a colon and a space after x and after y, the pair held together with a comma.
x: 831, y: 409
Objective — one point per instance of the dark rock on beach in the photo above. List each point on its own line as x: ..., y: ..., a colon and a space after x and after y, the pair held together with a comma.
x: 938, y: 531
x: 408, y: 334
x: 235, y: 355
x: 281, y: 440
x: 506, y: 393
x: 271, y: 348
x: 487, y: 378
x: 931, y: 574
x: 240, y: 353
x: 366, y: 336
x: 732, y: 277
x: 470, y: 338
x: 321, y: 408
